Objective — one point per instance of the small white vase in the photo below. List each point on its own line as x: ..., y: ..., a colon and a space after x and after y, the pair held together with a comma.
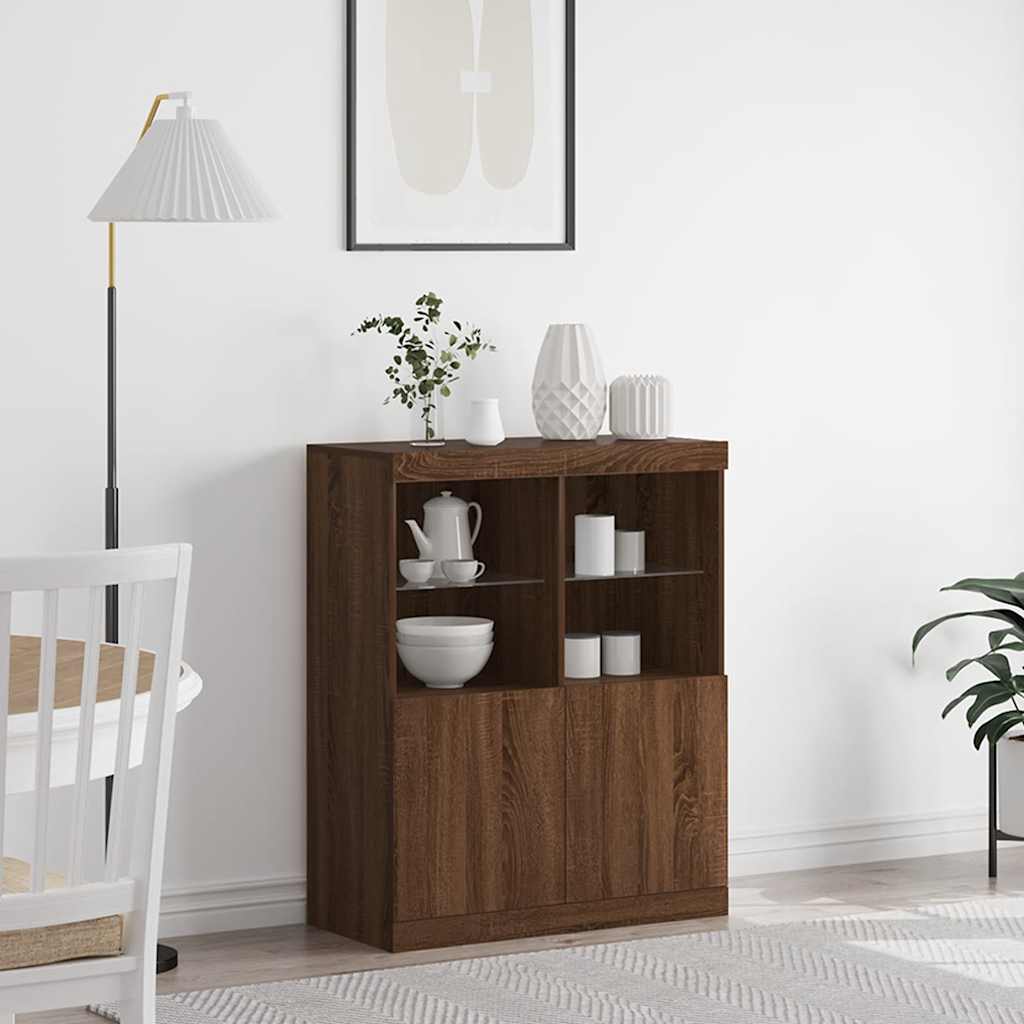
x: 485, y: 427
x: 640, y: 407
x: 569, y: 390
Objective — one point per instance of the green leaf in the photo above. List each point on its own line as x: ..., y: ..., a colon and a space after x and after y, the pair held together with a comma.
x: 997, y: 727
x: 997, y: 636
x: 1011, y: 618
x: 997, y: 664
x: 979, y: 689
x: 1004, y: 591
x: 1008, y: 647
x: 446, y: 391
x: 984, y: 702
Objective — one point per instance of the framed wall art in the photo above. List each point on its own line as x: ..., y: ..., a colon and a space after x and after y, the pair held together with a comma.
x: 460, y: 124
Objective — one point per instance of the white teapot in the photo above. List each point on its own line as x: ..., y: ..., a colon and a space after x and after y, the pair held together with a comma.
x: 446, y: 533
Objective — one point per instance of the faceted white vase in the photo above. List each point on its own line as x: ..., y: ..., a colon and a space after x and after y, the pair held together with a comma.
x: 569, y: 390
x: 641, y: 407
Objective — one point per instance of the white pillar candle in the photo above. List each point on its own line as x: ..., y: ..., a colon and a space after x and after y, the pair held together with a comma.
x: 582, y: 655
x: 620, y: 652
x: 629, y: 551
x: 595, y: 545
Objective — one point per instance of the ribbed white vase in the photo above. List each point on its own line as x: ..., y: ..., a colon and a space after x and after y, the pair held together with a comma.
x: 641, y: 407
x: 569, y: 390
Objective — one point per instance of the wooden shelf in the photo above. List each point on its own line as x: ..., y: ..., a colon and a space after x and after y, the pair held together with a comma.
x: 421, y: 690
x: 650, y: 572
x: 489, y: 579
x: 649, y: 675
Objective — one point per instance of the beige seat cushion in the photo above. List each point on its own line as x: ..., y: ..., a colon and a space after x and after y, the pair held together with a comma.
x: 33, y: 947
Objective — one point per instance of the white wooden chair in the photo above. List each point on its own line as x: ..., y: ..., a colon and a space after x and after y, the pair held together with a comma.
x: 128, y: 895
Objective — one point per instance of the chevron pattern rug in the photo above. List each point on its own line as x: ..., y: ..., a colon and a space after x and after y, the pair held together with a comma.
x: 939, y: 964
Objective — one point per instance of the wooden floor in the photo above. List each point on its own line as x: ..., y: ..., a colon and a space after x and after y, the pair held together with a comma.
x: 276, y: 954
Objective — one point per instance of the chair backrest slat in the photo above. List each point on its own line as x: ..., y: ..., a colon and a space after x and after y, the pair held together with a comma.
x: 47, y: 687
x: 61, y: 735
x: 129, y: 685
x: 5, y: 689
x: 87, y: 721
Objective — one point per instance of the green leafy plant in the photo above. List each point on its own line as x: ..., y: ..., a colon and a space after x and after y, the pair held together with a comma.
x: 1005, y: 686
x: 428, y: 356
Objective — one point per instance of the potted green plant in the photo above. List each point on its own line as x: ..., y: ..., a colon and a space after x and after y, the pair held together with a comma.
x: 426, y: 363
x: 1001, y: 695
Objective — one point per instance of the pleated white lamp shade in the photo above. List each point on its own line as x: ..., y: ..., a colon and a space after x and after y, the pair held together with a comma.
x: 183, y: 169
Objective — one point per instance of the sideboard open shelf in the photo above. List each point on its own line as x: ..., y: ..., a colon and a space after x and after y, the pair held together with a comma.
x: 525, y: 803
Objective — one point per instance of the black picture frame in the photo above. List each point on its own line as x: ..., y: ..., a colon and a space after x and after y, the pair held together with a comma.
x: 568, y: 244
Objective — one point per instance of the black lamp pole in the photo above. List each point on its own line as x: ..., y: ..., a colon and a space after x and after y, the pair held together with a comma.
x: 166, y: 956
x: 110, y: 495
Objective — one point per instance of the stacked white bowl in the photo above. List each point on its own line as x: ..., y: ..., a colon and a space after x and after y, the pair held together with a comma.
x: 445, y: 651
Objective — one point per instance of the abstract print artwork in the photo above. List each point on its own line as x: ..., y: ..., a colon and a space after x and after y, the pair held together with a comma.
x: 460, y: 124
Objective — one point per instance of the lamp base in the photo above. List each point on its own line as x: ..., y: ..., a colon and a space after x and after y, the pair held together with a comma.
x: 166, y: 958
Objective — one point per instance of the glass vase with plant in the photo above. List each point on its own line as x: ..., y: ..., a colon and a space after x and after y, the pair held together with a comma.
x: 427, y: 360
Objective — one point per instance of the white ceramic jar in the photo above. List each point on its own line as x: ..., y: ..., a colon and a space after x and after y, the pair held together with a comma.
x: 630, y: 551
x: 485, y: 426
x: 595, y: 545
x: 620, y: 652
x: 582, y: 655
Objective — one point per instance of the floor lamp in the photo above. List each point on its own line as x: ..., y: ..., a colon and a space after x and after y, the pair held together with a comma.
x: 181, y: 170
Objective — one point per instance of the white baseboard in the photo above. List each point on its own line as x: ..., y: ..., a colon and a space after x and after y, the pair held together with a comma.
x: 232, y: 906
x: 267, y: 902
x: 857, y: 842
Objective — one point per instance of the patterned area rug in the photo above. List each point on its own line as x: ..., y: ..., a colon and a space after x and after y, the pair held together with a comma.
x: 954, y: 962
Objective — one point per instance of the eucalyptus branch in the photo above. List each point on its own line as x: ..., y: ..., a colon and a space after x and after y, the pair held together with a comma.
x: 428, y: 355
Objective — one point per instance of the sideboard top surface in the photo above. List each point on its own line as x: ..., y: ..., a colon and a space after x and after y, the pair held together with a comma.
x: 535, y: 456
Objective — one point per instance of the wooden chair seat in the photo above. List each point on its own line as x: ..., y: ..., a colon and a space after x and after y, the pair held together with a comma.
x: 34, y: 947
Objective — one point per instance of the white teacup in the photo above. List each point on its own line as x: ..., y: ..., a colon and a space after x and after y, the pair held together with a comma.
x: 417, y: 570
x: 462, y: 570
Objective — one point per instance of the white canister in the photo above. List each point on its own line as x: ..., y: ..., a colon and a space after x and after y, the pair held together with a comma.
x: 485, y: 426
x: 595, y: 545
x: 630, y: 551
x: 582, y: 655
x: 620, y: 652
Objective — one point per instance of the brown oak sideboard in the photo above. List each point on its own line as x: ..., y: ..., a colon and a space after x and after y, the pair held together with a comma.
x: 526, y: 803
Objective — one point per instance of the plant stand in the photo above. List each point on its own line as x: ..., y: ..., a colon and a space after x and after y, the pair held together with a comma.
x: 995, y: 833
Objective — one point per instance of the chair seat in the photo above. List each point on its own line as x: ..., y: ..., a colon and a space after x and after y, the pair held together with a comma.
x: 33, y: 947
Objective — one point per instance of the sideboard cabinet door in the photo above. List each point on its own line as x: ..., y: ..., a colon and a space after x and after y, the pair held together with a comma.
x: 646, y: 787
x: 479, y: 802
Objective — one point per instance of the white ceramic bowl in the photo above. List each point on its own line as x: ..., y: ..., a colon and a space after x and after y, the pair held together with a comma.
x: 445, y: 641
x: 444, y: 625
x: 445, y: 667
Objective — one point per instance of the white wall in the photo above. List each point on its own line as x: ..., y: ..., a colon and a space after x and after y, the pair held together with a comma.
x: 807, y: 214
